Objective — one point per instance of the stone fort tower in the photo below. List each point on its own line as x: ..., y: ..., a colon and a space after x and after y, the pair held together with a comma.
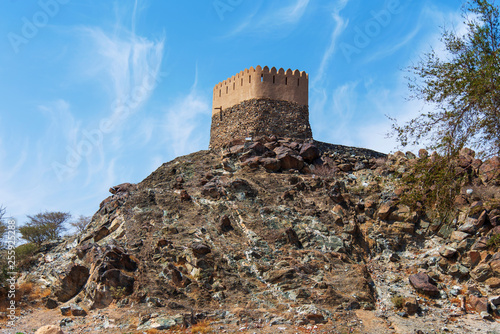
x: 260, y: 102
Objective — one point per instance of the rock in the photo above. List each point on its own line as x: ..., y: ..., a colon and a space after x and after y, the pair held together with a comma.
x: 77, y: 311
x: 65, y: 310
x: 346, y: 167
x: 481, y: 273
x: 486, y: 316
x: 481, y: 244
x: 385, y: 210
x: 293, y: 238
x: 458, y: 270
x: 394, y: 257
x: 480, y: 304
x: 162, y: 323
x: 122, y: 188
x: 411, y: 305
x: 121, y: 283
x: 213, y: 190
x: 490, y: 170
x: 72, y: 282
x: 495, y: 300
x: 51, y: 303
x: 309, y: 152
x: 495, y: 263
x: 471, y: 259
x: 289, y: 160
x: 458, y: 236
x: 225, y: 224
x: 424, y: 284
x: 423, y: 153
x: 493, y: 282
x: 200, y: 249
x: 270, y: 164
x: 185, y: 196
x: 49, y: 330
x: 447, y: 252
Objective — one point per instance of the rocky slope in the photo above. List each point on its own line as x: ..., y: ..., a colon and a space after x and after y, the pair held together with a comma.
x: 273, y: 235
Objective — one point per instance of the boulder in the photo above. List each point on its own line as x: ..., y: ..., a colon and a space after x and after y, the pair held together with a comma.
x: 309, y: 152
x: 490, y: 170
x: 271, y: 164
x: 481, y: 273
x: 122, y: 188
x: 77, y: 311
x: 458, y: 236
x: 289, y: 160
x: 481, y: 244
x: 199, y: 249
x: 480, y: 304
x: 49, y: 330
x: 423, y: 153
x: 225, y: 224
x: 447, y: 252
x: 424, y: 284
x: 385, y: 211
x: 72, y: 282
x: 495, y: 264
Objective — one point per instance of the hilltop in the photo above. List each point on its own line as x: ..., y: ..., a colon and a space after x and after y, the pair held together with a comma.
x: 275, y: 235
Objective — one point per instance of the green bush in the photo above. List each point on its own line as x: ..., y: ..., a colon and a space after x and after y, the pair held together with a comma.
x: 398, y: 301
x: 494, y: 242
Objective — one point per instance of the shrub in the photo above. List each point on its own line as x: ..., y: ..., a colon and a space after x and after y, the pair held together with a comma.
x: 494, y: 242
x: 432, y: 185
x: 398, y: 301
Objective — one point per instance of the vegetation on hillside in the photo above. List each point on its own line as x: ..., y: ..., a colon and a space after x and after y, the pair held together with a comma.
x: 463, y: 86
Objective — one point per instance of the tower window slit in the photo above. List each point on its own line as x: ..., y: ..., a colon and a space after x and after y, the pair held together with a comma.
x: 262, y: 78
x: 274, y: 79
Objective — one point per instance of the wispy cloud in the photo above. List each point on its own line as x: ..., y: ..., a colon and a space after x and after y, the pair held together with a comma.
x: 273, y: 20
x: 340, y: 25
x: 183, y: 123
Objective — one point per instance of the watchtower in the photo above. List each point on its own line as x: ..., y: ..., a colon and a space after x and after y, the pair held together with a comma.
x: 260, y: 101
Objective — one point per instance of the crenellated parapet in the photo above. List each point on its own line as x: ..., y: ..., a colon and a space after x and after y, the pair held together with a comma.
x: 261, y: 83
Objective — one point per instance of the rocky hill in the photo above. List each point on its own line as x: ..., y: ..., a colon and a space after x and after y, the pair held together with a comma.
x: 275, y: 236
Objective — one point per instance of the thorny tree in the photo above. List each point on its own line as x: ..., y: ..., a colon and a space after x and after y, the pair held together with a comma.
x: 464, y: 87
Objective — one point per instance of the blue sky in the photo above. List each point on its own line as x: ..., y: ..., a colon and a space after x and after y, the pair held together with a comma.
x: 97, y: 93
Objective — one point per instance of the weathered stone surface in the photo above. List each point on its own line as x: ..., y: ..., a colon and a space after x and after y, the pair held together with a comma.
x: 481, y: 273
x: 493, y: 282
x: 260, y: 117
x: 481, y: 244
x: 271, y: 164
x: 51, y: 329
x: 385, y: 210
x: 289, y: 159
x: 411, y: 305
x: 447, y: 251
x: 424, y: 284
x: 77, y: 311
x: 200, y: 249
x: 162, y: 323
x: 490, y: 170
x: 480, y: 304
x: 423, y: 153
x: 72, y: 282
x: 458, y: 236
x: 122, y: 188
x: 495, y: 264
x: 309, y: 152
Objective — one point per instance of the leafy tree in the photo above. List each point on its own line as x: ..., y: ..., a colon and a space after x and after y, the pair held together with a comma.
x: 464, y: 87
x: 44, y: 226
x: 81, y: 223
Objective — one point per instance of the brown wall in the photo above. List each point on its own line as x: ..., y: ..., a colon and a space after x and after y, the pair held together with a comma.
x: 261, y: 83
x: 259, y: 117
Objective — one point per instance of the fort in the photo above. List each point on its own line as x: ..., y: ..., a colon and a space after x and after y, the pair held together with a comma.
x: 260, y: 102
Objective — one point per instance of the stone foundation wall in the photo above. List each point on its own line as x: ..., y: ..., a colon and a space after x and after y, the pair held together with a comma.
x: 260, y: 117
